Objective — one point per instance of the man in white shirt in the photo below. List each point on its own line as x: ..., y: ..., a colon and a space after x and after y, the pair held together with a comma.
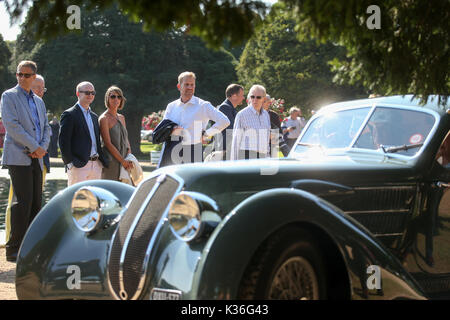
x: 192, y: 115
x: 251, y: 131
x: 293, y: 126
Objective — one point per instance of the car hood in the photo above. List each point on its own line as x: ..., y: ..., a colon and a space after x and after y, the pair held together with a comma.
x: 244, y: 177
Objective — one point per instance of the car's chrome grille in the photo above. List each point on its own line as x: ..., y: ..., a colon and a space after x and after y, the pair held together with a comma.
x: 127, y: 258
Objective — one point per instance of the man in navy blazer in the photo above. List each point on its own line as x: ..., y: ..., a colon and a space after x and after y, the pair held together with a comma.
x: 79, y: 138
x: 234, y: 96
x: 27, y: 137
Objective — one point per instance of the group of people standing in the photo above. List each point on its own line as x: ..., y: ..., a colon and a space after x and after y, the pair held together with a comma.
x: 92, y: 147
x: 253, y: 132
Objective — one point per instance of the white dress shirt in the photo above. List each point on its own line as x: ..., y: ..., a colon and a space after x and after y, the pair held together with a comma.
x: 251, y: 131
x: 194, y: 116
x: 90, y: 125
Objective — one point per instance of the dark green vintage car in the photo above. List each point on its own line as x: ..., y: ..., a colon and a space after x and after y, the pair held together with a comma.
x: 360, y: 209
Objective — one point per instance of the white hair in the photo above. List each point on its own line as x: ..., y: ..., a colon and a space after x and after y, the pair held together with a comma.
x: 256, y: 87
x: 40, y: 77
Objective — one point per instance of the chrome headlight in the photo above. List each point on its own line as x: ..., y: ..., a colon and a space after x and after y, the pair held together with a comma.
x: 90, y: 205
x: 191, y: 214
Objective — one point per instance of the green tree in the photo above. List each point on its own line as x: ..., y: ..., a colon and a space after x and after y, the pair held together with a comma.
x: 410, y: 53
x: 210, y: 19
x: 297, y: 71
x: 6, y: 78
x: 111, y: 50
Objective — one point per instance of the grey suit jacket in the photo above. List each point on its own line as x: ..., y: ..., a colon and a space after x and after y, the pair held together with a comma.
x: 20, y: 128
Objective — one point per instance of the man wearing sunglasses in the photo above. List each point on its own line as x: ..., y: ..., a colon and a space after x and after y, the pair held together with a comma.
x: 251, y: 131
x: 27, y: 137
x: 79, y: 138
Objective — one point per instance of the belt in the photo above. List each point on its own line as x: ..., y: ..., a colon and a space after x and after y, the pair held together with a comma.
x: 93, y: 158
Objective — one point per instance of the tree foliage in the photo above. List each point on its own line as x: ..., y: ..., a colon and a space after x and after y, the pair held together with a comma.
x: 297, y: 71
x: 213, y: 20
x: 111, y: 50
x: 410, y: 53
x: 6, y: 78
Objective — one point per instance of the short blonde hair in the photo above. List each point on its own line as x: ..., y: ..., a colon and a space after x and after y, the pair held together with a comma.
x: 186, y: 74
x: 118, y: 91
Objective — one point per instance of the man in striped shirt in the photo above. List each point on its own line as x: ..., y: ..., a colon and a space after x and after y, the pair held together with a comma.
x: 251, y: 131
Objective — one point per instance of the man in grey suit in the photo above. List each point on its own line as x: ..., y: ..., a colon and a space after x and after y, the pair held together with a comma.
x: 27, y: 137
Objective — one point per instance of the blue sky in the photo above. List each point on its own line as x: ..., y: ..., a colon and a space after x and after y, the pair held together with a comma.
x: 8, y: 32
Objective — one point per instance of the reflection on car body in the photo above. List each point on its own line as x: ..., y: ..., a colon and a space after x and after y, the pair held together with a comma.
x: 365, y: 188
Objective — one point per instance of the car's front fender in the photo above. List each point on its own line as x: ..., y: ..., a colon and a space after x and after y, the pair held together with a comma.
x: 59, y: 261
x: 234, y: 242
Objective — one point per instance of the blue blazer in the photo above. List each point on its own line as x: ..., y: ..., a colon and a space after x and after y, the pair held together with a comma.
x: 74, y: 138
x: 20, y: 129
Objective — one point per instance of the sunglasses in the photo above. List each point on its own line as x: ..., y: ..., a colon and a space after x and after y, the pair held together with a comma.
x: 26, y: 75
x: 88, y: 92
x: 257, y: 97
x: 113, y: 96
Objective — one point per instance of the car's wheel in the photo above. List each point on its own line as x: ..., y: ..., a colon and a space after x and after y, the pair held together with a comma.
x: 287, y: 266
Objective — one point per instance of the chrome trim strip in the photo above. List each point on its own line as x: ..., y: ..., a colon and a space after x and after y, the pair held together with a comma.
x: 411, y: 187
x: 111, y: 289
x: 379, y: 211
x: 387, y: 234
x: 162, y: 221
x: 363, y: 125
x: 160, y: 179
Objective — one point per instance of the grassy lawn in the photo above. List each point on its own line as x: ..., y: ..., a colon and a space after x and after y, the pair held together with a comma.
x: 147, y: 147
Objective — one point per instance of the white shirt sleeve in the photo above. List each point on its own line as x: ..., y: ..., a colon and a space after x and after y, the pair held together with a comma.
x: 220, y: 119
x: 167, y: 113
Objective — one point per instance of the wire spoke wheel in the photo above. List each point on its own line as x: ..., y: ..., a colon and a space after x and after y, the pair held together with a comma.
x: 295, y: 279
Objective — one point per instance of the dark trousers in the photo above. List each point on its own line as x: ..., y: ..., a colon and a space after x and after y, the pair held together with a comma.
x: 249, y: 154
x: 27, y: 184
x: 290, y: 143
x: 176, y: 153
x: 192, y: 153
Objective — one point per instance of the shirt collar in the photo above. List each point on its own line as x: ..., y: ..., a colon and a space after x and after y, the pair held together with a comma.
x: 83, y: 109
x: 256, y: 112
x: 193, y: 100
x: 31, y: 94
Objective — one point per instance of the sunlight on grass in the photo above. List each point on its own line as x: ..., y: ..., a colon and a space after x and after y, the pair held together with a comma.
x: 147, y: 147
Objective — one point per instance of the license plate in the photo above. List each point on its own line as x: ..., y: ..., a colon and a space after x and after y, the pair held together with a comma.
x: 165, y: 294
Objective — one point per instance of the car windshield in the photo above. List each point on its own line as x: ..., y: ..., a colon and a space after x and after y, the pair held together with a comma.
x: 389, y: 130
